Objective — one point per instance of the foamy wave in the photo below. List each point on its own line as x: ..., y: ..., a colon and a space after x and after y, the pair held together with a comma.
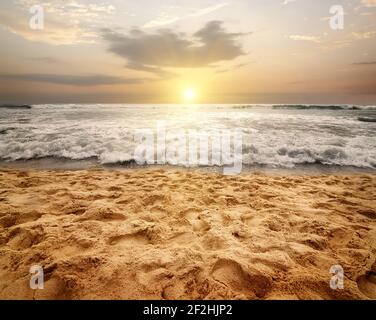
x: 108, y: 152
x: 290, y: 157
x: 106, y: 133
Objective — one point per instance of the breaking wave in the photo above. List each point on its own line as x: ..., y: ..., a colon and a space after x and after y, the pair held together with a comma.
x: 273, y: 138
x: 323, y: 107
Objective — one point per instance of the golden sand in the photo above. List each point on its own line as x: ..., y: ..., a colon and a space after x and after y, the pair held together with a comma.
x: 178, y: 234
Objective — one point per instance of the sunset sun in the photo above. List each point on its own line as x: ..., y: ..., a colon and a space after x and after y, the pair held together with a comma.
x: 189, y: 95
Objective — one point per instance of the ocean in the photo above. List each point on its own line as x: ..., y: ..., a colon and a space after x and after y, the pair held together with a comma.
x: 274, y: 136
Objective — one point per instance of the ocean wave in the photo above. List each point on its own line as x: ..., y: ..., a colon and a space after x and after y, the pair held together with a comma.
x: 323, y: 107
x: 11, y: 106
x: 326, y: 155
x: 366, y: 119
x: 208, y: 106
x: 272, y: 138
x: 113, y: 153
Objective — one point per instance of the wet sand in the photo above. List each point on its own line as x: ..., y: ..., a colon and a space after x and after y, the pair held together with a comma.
x: 175, y: 234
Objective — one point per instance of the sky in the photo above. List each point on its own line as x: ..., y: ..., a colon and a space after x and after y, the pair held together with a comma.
x: 172, y: 51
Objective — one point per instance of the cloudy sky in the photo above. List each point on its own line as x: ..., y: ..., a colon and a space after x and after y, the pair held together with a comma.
x: 144, y: 51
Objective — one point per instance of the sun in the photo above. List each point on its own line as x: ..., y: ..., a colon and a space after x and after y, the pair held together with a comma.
x: 189, y: 95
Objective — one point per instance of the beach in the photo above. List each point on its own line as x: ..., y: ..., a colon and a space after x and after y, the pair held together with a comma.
x: 170, y: 233
x: 188, y: 152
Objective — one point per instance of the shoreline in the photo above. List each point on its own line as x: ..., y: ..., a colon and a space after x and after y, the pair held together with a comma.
x: 60, y: 164
x: 177, y: 234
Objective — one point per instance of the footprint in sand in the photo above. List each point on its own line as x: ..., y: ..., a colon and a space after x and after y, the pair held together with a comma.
x: 54, y: 289
x: 23, y: 238
x: 154, y: 198
x: 340, y: 237
x: 100, y: 211
x: 129, y: 239
x: 8, y: 220
x: 182, y: 238
x: 200, y: 226
x: 193, y: 216
x: 190, y: 213
x: 232, y: 275
x: 214, y: 241
x: 367, y: 284
x: 252, y: 220
x: 369, y: 213
x: 140, y: 236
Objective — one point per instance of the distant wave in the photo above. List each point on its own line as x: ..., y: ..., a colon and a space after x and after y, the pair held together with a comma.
x: 10, y: 106
x: 367, y: 119
x: 296, y: 107
x: 323, y: 107
x: 236, y: 106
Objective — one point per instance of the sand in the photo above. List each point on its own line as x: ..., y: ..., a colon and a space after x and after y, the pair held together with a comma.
x: 178, y: 234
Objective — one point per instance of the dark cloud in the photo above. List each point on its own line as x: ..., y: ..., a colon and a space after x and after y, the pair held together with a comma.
x: 74, y: 80
x: 45, y: 59
x: 156, y: 70
x: 166, y: 48
x: 364, y: 63
x: 235, y: 67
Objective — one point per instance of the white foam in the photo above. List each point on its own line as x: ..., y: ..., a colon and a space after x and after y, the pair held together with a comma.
x: 281, y: 138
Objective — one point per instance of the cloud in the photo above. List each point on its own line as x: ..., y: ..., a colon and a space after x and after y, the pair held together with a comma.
x: 208, y: 10
x: 232, y: 68
x: 165, y: 48
x: 53, y: 33
x: 369, y: 3
x: 45, y: 59
x: 328, y: 44
x: 364, y: 63
x: 162, y: 20
x: 297, y: 37
x: 73, y: 80
x: 66, y: 22
x: 337, y: 44
x: 287, y: 2
x: 71, y: 8
x: 364, y: 35
x: 162, y: 73
x: 165, y: 19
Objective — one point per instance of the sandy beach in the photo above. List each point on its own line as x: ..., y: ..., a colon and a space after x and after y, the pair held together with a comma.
x: 179, y: 234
